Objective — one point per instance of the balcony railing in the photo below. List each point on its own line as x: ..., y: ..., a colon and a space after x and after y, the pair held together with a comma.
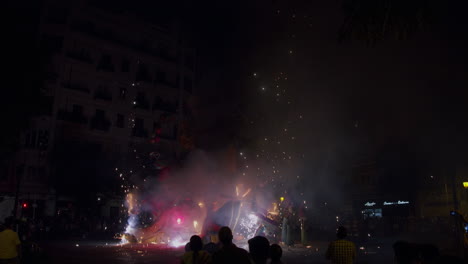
x: 142, y: 77
x: 142, y: 104
x: 77, y: 118
x: 103, y: 95
x: 80, y: 56
x: 167, y: 83
x: 165, y: 106
x: 76, y: 87
x: 90, y: 29
x: 139, y: 132
x: 99, y: 123
x: 51, y: 77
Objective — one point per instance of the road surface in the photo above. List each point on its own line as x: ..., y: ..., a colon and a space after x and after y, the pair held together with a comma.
x: 90, y: 252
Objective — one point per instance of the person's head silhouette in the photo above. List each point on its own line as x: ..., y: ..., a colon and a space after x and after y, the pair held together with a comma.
x: 225, y: 235
x: 259, y: 248
x: 276, y: 252
x: 196, y: 245
x: 341, y: 233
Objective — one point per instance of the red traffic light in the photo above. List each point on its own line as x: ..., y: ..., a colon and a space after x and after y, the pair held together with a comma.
x: 25, y: 205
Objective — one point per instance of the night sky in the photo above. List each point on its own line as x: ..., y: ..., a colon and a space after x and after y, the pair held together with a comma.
x: 399, y: 103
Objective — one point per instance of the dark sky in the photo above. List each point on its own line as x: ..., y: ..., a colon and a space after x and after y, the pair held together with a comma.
x: 399, y: 103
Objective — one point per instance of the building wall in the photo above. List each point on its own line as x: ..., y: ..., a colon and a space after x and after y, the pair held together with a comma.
x: 116, y: 82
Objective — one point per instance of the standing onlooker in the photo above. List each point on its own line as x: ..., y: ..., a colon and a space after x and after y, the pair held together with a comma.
x: 196, y: 255
x: 275, y: 254
x: 229, y: 253
x: 10, y: 245
x: 259, y: 248
x: 341, y: 251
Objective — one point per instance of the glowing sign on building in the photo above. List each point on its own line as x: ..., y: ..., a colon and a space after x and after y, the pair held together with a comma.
x: 370, y: 204
x: 393, y: 203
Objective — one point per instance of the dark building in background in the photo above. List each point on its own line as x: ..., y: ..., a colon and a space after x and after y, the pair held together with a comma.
x: 114, y: 83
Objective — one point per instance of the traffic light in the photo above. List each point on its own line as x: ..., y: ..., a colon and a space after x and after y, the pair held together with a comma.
x: 25, y: 205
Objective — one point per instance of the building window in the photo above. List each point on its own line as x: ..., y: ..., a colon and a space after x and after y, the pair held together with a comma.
x: 41, y: 173
x: 103, y: 93
x: 189, y: 61
x: 99, y: 121
x: 77, y: 109
x: 123, y: 93
x: 120, y: 121
x: 188, y: 84
x: 125, y: 65
x: 52, y: 44
x: 100, y: 113
x: 105, y: 63
x: 164, y: 51
x: 161, y: 76
x: 142, y: 73
x: 30, y: 140
x: 43, y: 139
x: 19, y: 170
x: 141, y: 101
x: 139, y: 128
x: 32, y: 172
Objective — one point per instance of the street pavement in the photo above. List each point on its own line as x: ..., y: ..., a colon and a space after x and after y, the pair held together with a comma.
x: 90, y: 252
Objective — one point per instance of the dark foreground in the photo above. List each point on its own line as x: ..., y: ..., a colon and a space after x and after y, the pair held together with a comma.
x: 103, y: 253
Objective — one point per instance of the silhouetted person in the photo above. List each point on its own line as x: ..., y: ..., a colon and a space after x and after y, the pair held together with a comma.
x: 10, y: 245
x: 211, y: 248
x: 341, y: 251
x: 259, y: 248
x: 196, y: 255
x: 405, y: 253
x: 275, y: 254
x: 429, y: 253
x: 229, y: 253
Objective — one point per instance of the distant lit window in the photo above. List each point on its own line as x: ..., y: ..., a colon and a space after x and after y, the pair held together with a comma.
x: 372, y: 213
